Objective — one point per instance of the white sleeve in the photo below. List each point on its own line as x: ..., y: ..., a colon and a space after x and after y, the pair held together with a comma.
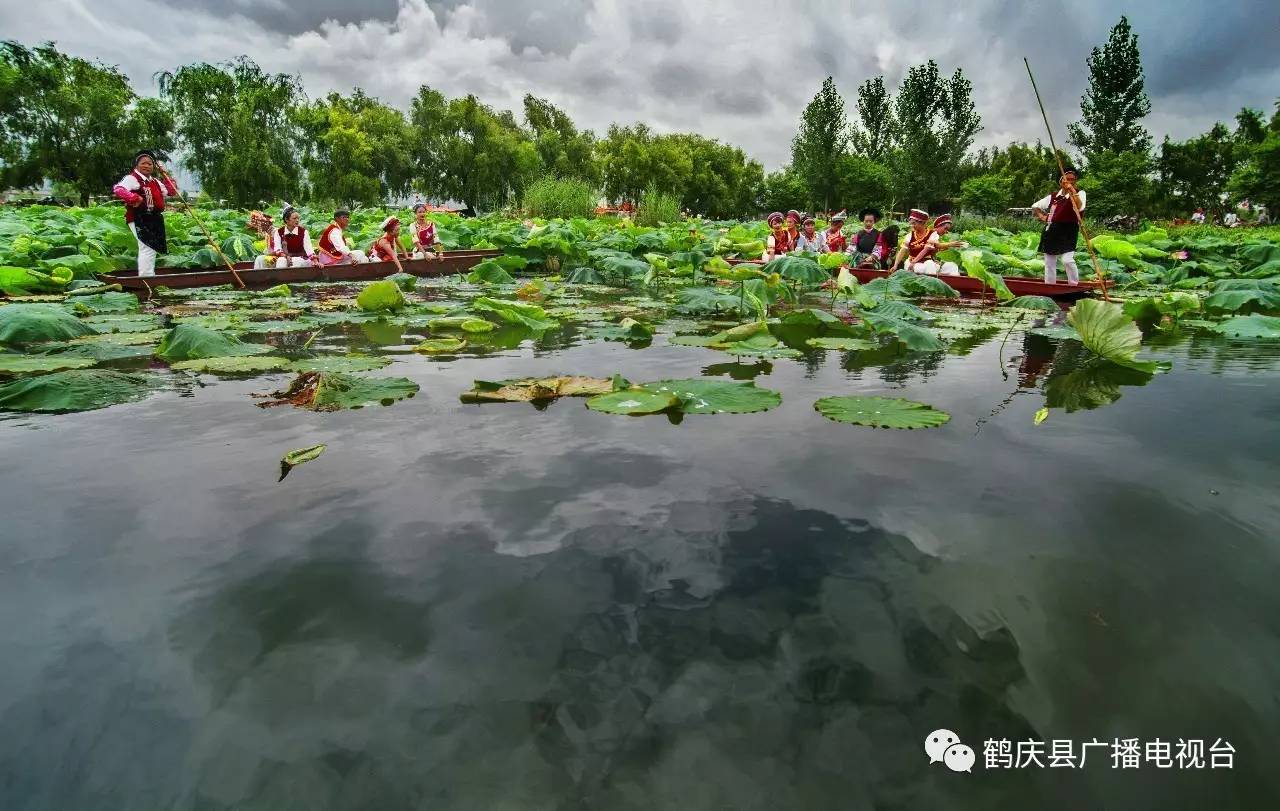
x: 1081, y: 195
x: 340, y: 242
x: 1042, y: 204
x: 306, y: 243
x: 935, y: 238
x: 129, y: 182
x: 273, y: 241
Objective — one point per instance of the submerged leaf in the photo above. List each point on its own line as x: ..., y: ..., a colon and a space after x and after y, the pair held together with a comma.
x: 1108, y: 333
x: 881, y: 412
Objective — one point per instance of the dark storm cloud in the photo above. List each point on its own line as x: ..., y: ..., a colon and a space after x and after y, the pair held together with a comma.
x: 737, y: 70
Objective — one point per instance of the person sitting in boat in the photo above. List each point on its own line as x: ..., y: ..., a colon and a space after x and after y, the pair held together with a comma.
x: 424, y: 235
x: 289, y: 245
x: 922, y: 246
x: 942, y: 226
x: 865, y: 242
x: 386, y: 248
x: 793, y: 227
x: 778, y: 243
x: 834, y: 235
x: 333, y: 247
x: 1061, y: 212
x: 810, y: 240
x: 886, y: 246
x: 143, y: 196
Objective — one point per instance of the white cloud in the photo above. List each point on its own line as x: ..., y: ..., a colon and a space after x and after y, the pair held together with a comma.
x: 739, y: 71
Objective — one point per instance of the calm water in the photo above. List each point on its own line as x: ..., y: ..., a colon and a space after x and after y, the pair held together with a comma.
x: 501, y: 607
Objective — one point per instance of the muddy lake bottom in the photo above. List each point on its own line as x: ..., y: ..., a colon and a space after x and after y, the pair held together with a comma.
x: 504, y: 606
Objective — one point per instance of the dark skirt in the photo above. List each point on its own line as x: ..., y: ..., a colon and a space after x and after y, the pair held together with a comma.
x: 150, y: 227
x: 1059, y: 238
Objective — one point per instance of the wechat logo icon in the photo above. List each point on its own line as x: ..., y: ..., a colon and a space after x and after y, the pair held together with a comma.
x: 944, y: 746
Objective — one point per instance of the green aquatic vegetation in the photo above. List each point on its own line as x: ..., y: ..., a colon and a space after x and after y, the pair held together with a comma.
x: 1243, y: 296
x: 279, y: 291
x: 971, y: 261
x: 245, y: 365
x: 913, y: 336
x: 918, y: 285
x: 1039, y: 303
x: 334, y: 391
x: 125, y: 323
x: 1263, y: 327
x: 628, y: 330
x: 1107, y: 332
x: 109, y: 302
x: 881, y: 412
x: 340, y: 363
x: 537, y: 389
x: 515, y: 312
x: 636, y: 402
x: 34, y: 323
x: 381, y: 296
x: 73, y: 390
x: 298, y: 457
x: 489, y: 272
x: 843, y: 344
x: 699, y: 395
x: 13, y: 365
x: 190, y: 342
x: 432, y: 346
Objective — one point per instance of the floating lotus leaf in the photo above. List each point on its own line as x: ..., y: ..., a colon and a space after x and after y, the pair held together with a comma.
x: 533, y: 389
x: 333, y: 391
x: 188, y: 342
x: 405, y: 281
x: 1043, y: 303
x: 109, y: 302
x: 381, y: 296
x: 432, y: 346
x: 34, y: 323
x: 515, y: 312
x: 242, y: 365
x: 104, y: 351
x: 297, y: 457
x: 38, y: 364
x: 1249, y: 326
x: 73, y: 390
x: 489, y: 272
x: 772, y: 352
x: 694, y: 340
x: 842, y: 343
x: 702, y: 396
x: 1108, y: 333
x: 340, y: 363
x: 104, y: 324
x: 881, y: 412
x: 277, y: 327
x: 634, y: 402
x: 279, y: 291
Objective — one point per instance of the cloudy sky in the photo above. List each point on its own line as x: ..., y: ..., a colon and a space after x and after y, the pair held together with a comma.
x: 738, y: 70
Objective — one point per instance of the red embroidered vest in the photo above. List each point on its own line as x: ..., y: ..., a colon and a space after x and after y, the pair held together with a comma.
x: 294, y: 244
x: 914, y: 245
x: 783, y: 242
x: 152, y: 195
x: 836, y: 242
x: 427, y: 235
x: 380, y: 251
x: 1060, y: 208
x: 326, y: 241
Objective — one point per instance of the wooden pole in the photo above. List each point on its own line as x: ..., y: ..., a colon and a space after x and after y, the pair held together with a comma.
x: 208, y: 236
x: 1062, y: 170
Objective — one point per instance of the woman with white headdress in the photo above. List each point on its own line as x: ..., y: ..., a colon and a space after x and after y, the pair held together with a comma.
x: 923, y: 244
x: 425, y: 242
x: 289, y: 245
x: 143, y: 195
x: 386, y: 248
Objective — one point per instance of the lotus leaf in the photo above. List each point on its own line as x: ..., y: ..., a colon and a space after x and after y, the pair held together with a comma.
x: 515, y: 312
x: 279, y: 291
x: 432, y: 346
x: 633, y: 402
x: 405, y: 281
x: 189, y: 342
x: 489, y: 272
x: 842, y: 343
x: 240, y: 365
x: 703, y: 396
x: 1108, y: 333
x: 536, y: 389
x: 73, y: 390
x: 340, y: 363
x: 33, y: 323
x: 333, y: 391
x: 1249, y: 326
x: 298, y: 457
x: 381, y: 296
x: 37, y: 364
x: 881, y: 412
x: 109, y: 302
x: 1042, y: 303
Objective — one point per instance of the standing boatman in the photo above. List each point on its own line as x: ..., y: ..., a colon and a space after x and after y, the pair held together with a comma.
x: 1061, y: 213
x: 143, y: 197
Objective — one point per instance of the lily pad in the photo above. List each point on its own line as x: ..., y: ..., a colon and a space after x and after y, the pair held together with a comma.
x: 881, y: 412
x: 842, y: 343
x: 534, y: 389
x: 340, y: 363
x: 1042, y: 303
x: 40, y: 364
x: 1265, y: 327
x: 73, y: 390
x: 702, y: 396
x: 432, y: 346
x: 633, y: 402
x: 1107, y: 332
x: 333, y: 391
x: 34, y: 323
x: 189, y: 342
x: 693, y: 340
x: 242, y: 365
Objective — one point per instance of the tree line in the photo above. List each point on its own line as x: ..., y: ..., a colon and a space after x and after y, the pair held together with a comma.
x: 250, y: 136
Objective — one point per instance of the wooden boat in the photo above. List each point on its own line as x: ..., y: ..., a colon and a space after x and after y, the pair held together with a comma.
x: 969, y: 286
x: 171, y: 277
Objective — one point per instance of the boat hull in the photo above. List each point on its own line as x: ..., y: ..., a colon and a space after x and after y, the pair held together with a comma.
x: 453, y: 262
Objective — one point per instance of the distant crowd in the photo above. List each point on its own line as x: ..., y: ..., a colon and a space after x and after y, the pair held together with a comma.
x: 1243, y: 214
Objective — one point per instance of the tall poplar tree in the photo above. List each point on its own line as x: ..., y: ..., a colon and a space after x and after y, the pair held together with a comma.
x: 822, y: 140
x: 1113, y: 106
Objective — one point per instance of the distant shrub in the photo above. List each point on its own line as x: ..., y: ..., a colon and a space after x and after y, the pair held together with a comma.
x: 657, y: 207
x: 551, y: 197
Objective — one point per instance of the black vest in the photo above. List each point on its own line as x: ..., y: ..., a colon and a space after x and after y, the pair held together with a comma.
x: 866, y: 242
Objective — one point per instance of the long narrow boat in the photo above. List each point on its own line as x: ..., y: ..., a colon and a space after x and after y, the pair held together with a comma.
x: 969, y: 286
x: 453, y: 262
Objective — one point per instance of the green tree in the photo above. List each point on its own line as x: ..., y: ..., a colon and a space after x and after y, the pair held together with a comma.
x: 862, y: 182
x: 1195, y: 172
x: 634, y: 159
x: 429, y: 134
x: 874, y: 135
x: 722, y: 182
x: 1114, y: 104
x: 936, y: 124
x: 488, y: 159
x: 1118, y: 183
x: 565, y: 152
x: 1257, y: 178
x: 986, y: 194
x: 1251, y: 127
x: 71, y: 121
x: 235, y: 124
x: 822, y: 139
x: 783, y: 190
x: 355, y: 149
